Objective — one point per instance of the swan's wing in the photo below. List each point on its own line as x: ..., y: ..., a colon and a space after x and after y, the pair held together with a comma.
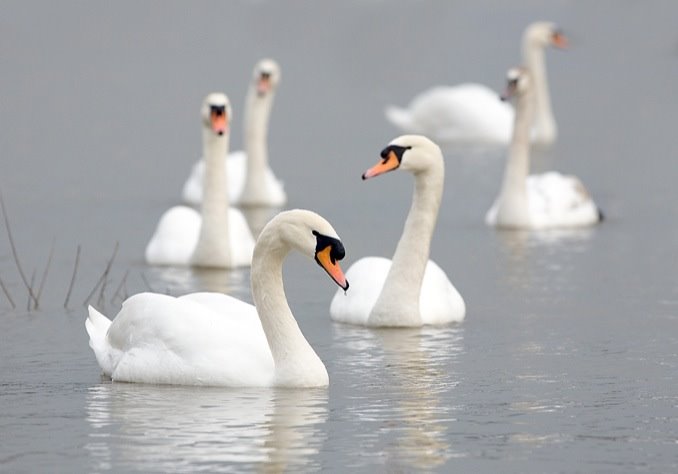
x: 556, y: 200
x: 192, y: 190
x: 236, y: 169
x: 439, y: 301
x: 366, y: 277
x: 241, y: 239
x: 193, y: 340
x: 463, y: 113
x: 275, y: 189
x: 175, y: 237
x: 237, y: 172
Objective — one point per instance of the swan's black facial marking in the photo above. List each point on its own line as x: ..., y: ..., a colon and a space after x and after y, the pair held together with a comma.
x: 511, y: 87
x: 337, y: 251
x: 558, y: 38
x: 397, y: 150
x: 264, y: 84
x: 217, y: 110
x: 218, y: 120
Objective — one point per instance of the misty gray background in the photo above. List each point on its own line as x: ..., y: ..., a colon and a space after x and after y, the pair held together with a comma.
x: 567, y: 360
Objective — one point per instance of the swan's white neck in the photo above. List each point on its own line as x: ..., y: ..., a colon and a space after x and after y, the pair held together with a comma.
x: 545, y: 129
x: 296, y: 363
x: 513, y: 210
x: 213, y: 248
x: 257, y: 113
x: 398, y: 303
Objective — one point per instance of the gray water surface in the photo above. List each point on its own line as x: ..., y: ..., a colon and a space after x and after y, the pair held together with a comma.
x: 567, y: 359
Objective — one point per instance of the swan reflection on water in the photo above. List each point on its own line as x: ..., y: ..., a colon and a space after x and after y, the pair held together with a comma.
x: 524, y: 254
x: 181, y: 429
x: 413, y: 371
x: 183, y: 280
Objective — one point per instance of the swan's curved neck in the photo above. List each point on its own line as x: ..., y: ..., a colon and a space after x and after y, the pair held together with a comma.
x: 545, y: 129
x: 257, y: 114
x: 513, y: 205
x: 213, y: 248
x: 398, y: 303
x: 296, y: 363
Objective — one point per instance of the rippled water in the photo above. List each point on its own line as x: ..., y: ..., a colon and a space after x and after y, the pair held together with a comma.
x: 567, y: 361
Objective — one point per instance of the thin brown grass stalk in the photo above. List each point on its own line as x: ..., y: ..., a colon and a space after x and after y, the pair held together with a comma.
x: 14, y: 252
x: 44, y: 275
x: 120, y: 286
x: 30, y: 293
x: 75, y: 271
x: 6, y: 291
x: 103, y: 276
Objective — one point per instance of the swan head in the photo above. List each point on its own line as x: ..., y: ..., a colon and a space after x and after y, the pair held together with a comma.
x: 414, y: 153
x: 545, y: 33
x: 265, y: 77
x: 216, y: 113
x: 517, y: 83
x: 311, y: 235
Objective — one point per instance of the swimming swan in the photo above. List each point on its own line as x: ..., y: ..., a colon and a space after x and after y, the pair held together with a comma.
x: 215, y: 339
x: 409, y: 290
x: 251, y: 181
x: 218, y: 236
x: 473, y: 113
x: 544, y: 201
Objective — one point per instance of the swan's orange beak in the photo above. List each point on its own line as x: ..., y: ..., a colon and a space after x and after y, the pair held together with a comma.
x: 388, y: 163
x: 218, y: 121
x: 327, y: 260
x: 559, y: 40
x: 263, y: 85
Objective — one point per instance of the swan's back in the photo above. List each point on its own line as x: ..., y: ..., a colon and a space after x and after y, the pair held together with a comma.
x: 439, y: 301
x: 175, y: 238
x: 198, y: 339
x: 236, y: 170
x: 367, y: 277
x: 463, y: 113
x: 557, y: 200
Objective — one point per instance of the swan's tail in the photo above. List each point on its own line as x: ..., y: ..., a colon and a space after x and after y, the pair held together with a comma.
x: 97, y: 327
x: 400, y: 117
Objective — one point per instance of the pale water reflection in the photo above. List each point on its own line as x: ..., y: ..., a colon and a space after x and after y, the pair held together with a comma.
x: 178, y: 429
x: 400, y: 403
x: 182, y: 280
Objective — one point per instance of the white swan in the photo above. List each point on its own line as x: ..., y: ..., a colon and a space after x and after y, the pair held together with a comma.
x: 473, y: 113
x: 251, y: 181
x: 215, y: 339
x: 219, y: 235
x: 544, y: 201
x: 409, y: 290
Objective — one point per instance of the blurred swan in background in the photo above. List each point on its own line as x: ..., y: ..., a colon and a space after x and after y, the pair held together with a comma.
x: 473, y: 113
x: 251, y: 181
x: 548, y: 200
x: 218, y: 236
x: 215, y: 339
x: 409, y: 290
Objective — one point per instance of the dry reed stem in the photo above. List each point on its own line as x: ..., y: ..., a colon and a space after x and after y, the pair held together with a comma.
x: 75, y: 271
x: 14, y: 252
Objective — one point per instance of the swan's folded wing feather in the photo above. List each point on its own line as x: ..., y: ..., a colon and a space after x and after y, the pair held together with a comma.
x: 439, y: 301
x: 366, y: 277
x: 196, y: 339
x: 560, y: 200
x: 175, y: 238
